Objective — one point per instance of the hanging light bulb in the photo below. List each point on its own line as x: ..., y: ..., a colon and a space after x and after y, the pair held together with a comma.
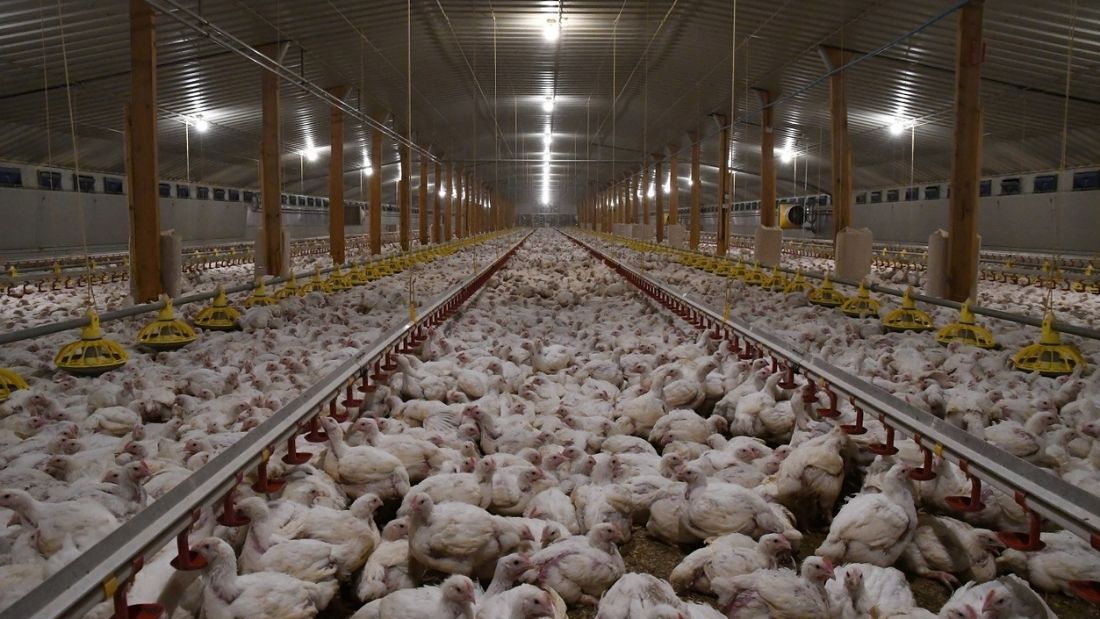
x: 651, y: 193
x: 200, y: 124
x: 548, y: 104
x: 898, y: 126
x: 786, y: 155
x: 310, y: 153
x: 552, y: 30
x: 547, y: 139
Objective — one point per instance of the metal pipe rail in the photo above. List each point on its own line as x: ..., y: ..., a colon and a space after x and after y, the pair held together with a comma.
x: 1055, y: 499
x: 77, y: 323
x: 80, y: 585
x: 1061, y: 326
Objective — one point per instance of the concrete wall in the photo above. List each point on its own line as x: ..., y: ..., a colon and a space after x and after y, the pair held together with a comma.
x: 1066, y: 221
x: 32, y: 220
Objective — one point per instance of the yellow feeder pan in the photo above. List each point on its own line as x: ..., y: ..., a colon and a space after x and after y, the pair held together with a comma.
x: 966, y: 331
x: 1049, y: 357
x: 738, y: 270
x: 337, y: 281
x: 861, y: 305
x: 259, y: 297
x: 907, y: 317
x: 1086, y: 284
x: 798, y: 284
x: 166, y: 332
x: 289, y: 289
x: 825, y: 295
x: 357, y: 276
x: 777, y: 282
x: 755, y: 277
x: 92, y: 354
x: 10, y: 382
x: 316, y: 284
x: 220, y: 316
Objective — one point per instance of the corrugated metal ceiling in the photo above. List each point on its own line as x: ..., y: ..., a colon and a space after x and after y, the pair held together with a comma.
x: 481, y: 70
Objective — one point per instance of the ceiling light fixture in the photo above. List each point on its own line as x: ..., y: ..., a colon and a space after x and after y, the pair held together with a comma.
x: 309, y: 153
x: 786, y: 155
x: 552, y: 30
x: 548, y: 104
x: 200, y: 124
x: 898, y: 126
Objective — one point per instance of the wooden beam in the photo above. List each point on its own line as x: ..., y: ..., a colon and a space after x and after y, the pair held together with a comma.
x: 404, y: 199
x: 337, y: 245
x: 448, y: 203
x: 962, y: 242
x: 437, y: 217
x: 841, y: 145
x: 143, y: 174
x: 422, y: 202
x: 696, y: 220
x: 658, y: 191
x: 375, y: 228
x: 722, y: 229
x: 271, y: 182
x: 674, y: 184
x: 767, y: 159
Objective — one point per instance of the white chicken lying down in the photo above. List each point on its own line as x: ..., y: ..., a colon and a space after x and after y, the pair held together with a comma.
x: 556, y: 418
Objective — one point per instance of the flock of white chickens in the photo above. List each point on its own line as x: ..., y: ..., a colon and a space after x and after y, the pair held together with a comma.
x: 497, y: 472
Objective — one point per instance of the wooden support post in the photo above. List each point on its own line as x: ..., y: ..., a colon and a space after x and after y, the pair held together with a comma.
x: 645, y: 193
x: 658, y: 191
x: 437, y: 219
x: 767, y: 159
x: 674, y: 184
x: 337, y: 244
x: 448, y: 204
x: 422, y: 203
x: 835, y: 58
x: 404, y: 198
x: 375, y: 228
x: 962, y: 241
x: 722, y: 230
x: 143, y: 174
x: 607, y: 210
x: 696, y: 220
x: 632, y: 189
x: 271, y: 182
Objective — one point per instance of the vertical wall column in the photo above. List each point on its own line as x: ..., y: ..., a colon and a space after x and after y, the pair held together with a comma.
x: 658, y: 191
x: 448, y: 203
x: 375, y: 228
x: 271, y: 182
x: 336, y: 241
x: 404, y: 199
x: 962, y: 240
x: 841, y: 145
x: 437, y: 231
x: 674, y: 184
x: 696, y: 193
x: 769, y: 237
x: 422, y: 203
x: 635, y: 201
x: 143, y: 174
x: 645, y: 193
x: 767, y: 160
x: 722, y: 231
